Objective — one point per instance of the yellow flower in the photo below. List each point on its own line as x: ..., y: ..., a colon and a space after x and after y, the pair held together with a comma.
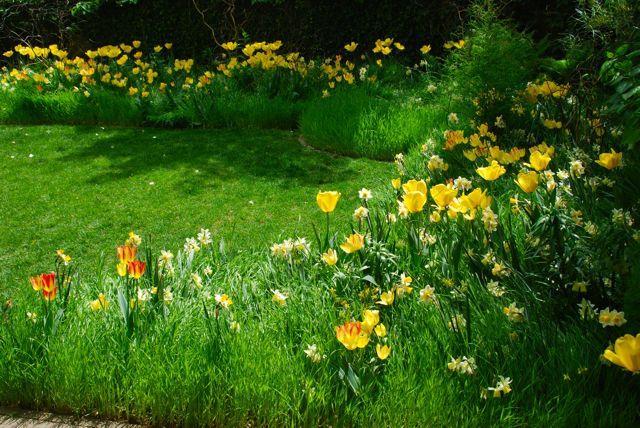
x: 383, y: 351
x: 100, y: 303
x: 528, y: 181
x: 279, y: 297
x: 229, y: 46
x: 353, y: 243
x: 351, y: 335
x: 136, y: 44
x: 396, y: 183
x: 415, y: 186
x: 122, y: 60
x: 122, y: 268
x: 626, y: 353
x: 552, y: 124
x: 610, y: 160
x: 157, y: 49
x: 399, y: 46
x: 381, y: 330
x: 414, y: 201
x: 539, y: 161
x: 386, y: 298
x: 370, y: 318
x: 223, y: 300
x: 351, y: 47
x: 491, y: 172
x: 425, y: 49
x: 168, y: 45
x: 327, y: 201
x: 443, y: 194
x: 330, y: 257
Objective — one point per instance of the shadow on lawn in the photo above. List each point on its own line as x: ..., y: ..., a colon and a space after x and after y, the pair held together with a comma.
x: 218, y: 155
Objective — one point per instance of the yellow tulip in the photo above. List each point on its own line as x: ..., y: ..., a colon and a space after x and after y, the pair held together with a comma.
x: 351, y: 335
x: 528, y: 181
x: 370, y: 318
x: 396, y: 183
x: 100, y: 303
x: 383, y: 351
x: 380, y: 330
x: 539, y: 161
x: 443, y: 194
x: 610, y: 160
x: 491, y: 172
x: 386, y: 298
x: 330, y: 257
x: 353, y: 243
x: 327, y: 201
x: 415, y: 186
x: 351, y: 46
x: 626, y: 353
x: 414, y: 201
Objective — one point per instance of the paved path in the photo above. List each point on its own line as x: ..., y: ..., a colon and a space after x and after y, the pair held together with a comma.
x: 12, y: 418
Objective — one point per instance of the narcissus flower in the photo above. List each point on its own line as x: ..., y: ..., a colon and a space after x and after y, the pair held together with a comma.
x: 352, y: 336
x: 101, y: 303
x: 611, y: 318
x: 610, y: 160
x: 327, y: 201
x: 223, y: 300
x: 502, y: 387
x: 353, y: 243
x: 279, y: 297
x: 414, y: 201
x: 136, y: 269
x: 491, y: 172
x: 383, y: 351
x: 351, y: 47
x: 625, y: 353
x: 528, y: 181
x: 330, y: 257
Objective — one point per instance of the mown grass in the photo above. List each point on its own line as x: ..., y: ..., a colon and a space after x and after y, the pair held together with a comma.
x: 84, y: 186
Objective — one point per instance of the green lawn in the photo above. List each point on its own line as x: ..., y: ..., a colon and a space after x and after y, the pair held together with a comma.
x: 84, y: 188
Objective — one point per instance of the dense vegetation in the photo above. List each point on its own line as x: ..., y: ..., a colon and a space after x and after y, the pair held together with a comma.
x: 487, y: 276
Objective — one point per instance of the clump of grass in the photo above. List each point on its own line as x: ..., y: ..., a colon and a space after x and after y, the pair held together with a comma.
x: 359, y: 122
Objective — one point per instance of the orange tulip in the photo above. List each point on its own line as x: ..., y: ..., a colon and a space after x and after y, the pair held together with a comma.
x: 49, y: 287
x: 126, y: 253
x: 136, y: 268
x: 352, y: 336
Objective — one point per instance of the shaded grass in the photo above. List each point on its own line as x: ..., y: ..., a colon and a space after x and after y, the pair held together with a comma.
x: 85, y: 186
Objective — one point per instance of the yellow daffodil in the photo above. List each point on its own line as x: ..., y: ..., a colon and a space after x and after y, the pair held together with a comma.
x: 539, y: 161
x: 552, y: 124
x: 491, y: 172
x: 625, y: 353
x: 351, y: 47
x: 425, y: 49
x: 352, y: 336
x: 383, y: 351
x: 610, y: 160
x: 528, y: 181
x: 230, y: 46
x: 327, y: 201
x: 353, y: 243
x: 330, y: 257
x: 414, y: 201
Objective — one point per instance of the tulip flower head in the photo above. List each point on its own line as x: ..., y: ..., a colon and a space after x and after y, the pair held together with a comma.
x: 352, y: 336
x: 491, y: 172
x: 327, y: 201
x: 625, y: 353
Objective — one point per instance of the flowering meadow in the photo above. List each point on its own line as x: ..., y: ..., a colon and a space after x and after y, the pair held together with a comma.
x: 486, y: 275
